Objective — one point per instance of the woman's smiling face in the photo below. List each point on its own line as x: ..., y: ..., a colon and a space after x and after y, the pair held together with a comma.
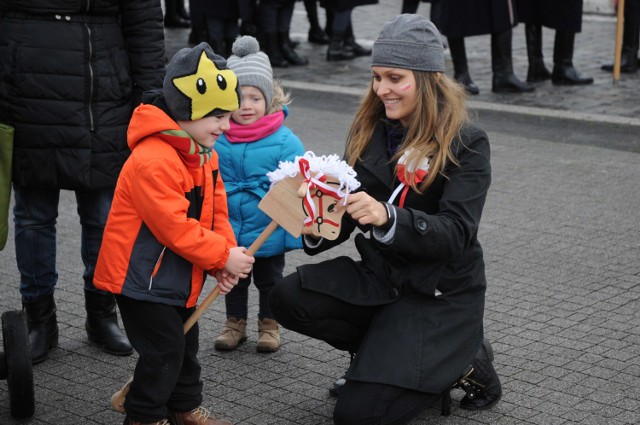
x: 396, y: 87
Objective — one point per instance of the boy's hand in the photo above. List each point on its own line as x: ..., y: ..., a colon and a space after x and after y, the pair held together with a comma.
x: 239, y: 263
x: 226, y: 281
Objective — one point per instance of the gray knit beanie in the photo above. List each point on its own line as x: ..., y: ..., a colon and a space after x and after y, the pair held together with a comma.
x: 409, y: 41
x: 252, y: 66
x: 198, y: 84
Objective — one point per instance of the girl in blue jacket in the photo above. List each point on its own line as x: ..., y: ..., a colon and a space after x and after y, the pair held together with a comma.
x: 254, y: 145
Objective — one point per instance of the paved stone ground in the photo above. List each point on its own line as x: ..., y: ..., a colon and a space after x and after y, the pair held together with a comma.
x: 560, y: 233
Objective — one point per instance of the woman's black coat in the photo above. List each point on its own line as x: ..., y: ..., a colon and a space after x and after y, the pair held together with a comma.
x: 418, y: 340
x: 465, y: 18
x: 563, y: 15
x: 71, y: 73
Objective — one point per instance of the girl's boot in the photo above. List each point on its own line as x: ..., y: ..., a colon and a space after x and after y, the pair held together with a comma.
x: 268, y: 336
x: 233, y: 334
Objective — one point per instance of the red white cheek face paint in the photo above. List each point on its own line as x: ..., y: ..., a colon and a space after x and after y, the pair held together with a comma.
x: 405, y: 87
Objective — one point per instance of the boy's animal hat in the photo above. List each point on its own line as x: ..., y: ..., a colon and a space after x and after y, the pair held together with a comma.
x: 198, y: 84
x: 252, y: 66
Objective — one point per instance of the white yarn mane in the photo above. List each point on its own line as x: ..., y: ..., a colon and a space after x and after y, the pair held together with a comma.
x: 329, y: 165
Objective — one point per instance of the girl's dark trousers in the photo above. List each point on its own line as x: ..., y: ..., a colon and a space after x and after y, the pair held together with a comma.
x: 167, y: 375
x: 343, y: 325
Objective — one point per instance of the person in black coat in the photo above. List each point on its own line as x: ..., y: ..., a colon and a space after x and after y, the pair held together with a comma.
x: 566, y: 18
x: 630, y: 39
x: 70, y: 75
x: 410, y: 309
x: 458, y: 19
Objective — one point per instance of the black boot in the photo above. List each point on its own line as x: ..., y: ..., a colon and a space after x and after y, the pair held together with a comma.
x: 181, y: 9
x: 504, y: 80
x: 284, y: 43
x: 564, y: 74
x: 102, y: 324
x: 316, y: 33
x: 460, y: 68
x: 337, y: 50
x: 42, y: 325
x: 537, y: 70
x: 480, y: 382
x: 273, y: 51
x: 350, y: 43
x: 171, y: 17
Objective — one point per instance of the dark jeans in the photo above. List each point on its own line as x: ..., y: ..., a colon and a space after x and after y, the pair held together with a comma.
x: 343, y: 325
x: 167, y: 374
x: 275, y: 16
x: 266, y: 271
x: 35, y: 214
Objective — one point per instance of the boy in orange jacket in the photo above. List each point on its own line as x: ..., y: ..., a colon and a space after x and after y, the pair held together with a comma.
x: 167, y: 228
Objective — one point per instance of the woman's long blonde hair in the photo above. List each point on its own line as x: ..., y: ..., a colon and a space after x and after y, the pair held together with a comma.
x: 440, y: 113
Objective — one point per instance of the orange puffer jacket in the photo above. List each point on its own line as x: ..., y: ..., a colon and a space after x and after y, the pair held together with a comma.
x: 168, y: 225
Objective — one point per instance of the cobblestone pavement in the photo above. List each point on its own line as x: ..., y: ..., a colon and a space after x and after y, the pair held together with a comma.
x: 561, y: 239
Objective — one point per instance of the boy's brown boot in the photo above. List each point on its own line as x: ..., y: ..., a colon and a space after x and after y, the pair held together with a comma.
x: 268, y: 336
x: 198, y: 416
x: 233, y: 334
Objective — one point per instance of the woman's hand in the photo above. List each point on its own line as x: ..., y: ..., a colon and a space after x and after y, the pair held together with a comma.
x: 365, y: 209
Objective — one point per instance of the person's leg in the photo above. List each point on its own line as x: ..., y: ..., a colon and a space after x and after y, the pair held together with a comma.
x: 504, y: 80
x: 564, y: 73
x: 215, y: 34
x: 460, y: 67
x: 629, y: 60
x: 339, y: 25
x: 35, y: 213
x: 102, y: 321
x: 231, y: 32
x: 266, y: 271
x: 283, y: 26
x: 156, y: 332
x: 338, y: 323
x: 234, y: 331
x: 363, y: 403
x: 316, y: 33
x: 410, y: 6
x: 537, y: 70
x: 268, y: 27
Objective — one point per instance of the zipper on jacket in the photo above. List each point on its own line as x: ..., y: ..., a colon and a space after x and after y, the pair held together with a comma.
x: 90, y: 75
x: 156, y: 267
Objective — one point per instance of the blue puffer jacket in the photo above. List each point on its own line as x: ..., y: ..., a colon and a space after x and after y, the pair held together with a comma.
x: 244, y: 166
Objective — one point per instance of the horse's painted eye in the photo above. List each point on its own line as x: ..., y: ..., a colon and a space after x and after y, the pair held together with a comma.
x: 331, y: 208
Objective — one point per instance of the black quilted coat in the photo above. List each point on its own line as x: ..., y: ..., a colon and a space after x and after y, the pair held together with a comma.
x: 71, y: 72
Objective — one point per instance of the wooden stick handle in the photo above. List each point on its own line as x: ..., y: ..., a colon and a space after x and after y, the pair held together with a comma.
x: 255, y: 246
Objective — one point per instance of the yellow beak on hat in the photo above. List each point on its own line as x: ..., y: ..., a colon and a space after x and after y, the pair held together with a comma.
x: 209, y: 88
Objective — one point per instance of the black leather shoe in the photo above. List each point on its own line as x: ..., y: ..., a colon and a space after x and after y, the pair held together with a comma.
x: 176, y: 22
x: 569, y: 76
x: 480, y: 382
x: 318, y: 36
x: 509, y: 83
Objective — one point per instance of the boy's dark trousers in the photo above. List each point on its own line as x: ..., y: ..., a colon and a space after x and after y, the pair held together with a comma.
x: 167, y: 375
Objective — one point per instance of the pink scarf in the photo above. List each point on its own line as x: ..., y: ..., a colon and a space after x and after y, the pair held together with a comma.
x: 260, y: 129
